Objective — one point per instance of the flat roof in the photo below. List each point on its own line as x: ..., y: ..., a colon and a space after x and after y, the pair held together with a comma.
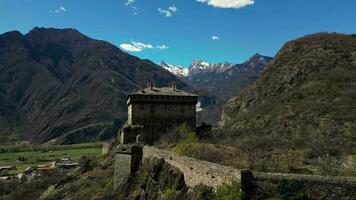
x: 164, y: 91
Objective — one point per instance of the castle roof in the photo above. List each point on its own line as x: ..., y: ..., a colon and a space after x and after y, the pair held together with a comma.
x: 164, y: 91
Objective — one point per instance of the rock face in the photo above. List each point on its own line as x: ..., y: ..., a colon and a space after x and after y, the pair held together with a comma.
x: 309, y: 87
x: 60, y: 84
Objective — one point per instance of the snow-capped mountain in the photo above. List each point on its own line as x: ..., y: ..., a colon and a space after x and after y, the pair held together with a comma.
x: 175, y: 69
x: 200, y: 67
x: 226, y: 79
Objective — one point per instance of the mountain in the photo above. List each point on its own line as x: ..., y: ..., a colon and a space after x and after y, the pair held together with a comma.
x: 59, y: 84
x: 309, y: 88
x: 203, y: 67
x: 226, y: 79
x: 174, y: 69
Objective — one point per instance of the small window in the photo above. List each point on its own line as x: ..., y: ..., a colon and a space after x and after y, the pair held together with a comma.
x: 141, y: 107
x: 152, y: 109
x: 165, y: 107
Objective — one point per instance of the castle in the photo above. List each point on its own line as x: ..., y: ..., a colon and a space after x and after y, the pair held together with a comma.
x: 154, y: 111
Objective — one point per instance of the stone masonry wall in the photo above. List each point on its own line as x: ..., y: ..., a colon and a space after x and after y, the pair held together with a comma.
x: 195, y: 171
x: 297, y: 186
x: 7, y: 186
x: 122, y: 168
x: 253, y: 185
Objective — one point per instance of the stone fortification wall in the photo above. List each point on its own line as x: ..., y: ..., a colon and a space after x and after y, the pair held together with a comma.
x: 105, y: 148
x: 126, y: 163
x: 7, y: 186
x: 253, y: 185
x: 297, y: 186
x: 195, y: 171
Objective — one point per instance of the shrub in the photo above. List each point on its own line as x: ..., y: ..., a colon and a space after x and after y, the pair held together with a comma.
x: 176, y: 134
x: 227, y: 191
x: 188, y: 146
x: 168, y: 194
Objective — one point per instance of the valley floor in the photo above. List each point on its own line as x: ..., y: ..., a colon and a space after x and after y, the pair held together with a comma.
x: 22, y: 156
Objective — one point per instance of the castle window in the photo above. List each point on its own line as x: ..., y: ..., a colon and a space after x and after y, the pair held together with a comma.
x: 152, y: 109
x: 182, y: 109
x: 141, y: 107
x: 165, y: 107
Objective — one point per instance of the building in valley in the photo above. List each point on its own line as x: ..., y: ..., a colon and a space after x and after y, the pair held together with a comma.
x: 154, y: 111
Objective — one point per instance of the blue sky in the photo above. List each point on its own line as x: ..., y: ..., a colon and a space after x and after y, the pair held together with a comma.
x: 179, y: 31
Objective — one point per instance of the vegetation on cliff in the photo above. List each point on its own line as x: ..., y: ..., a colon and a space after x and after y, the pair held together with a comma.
x: 303, y: 106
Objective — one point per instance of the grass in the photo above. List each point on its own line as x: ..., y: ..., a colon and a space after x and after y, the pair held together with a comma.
x: 35, y: 157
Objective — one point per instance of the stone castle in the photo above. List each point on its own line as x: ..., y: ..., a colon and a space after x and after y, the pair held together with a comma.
x: 154, y: 111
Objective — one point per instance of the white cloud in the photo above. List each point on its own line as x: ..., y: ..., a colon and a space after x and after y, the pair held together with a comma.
x: 228, y: 3
x: 142, y: 45
x: 60, y: 9
x: 130, y: 47
x: 162, y: 47
x: 130, y: 3
x: 173, y: 8
x: 139, y: 46
x: 214, y: 37
x: 169, y: 11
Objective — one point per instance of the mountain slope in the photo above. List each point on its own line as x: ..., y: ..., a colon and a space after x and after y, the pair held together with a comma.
x: 309, y: 88
x: 58, y: 83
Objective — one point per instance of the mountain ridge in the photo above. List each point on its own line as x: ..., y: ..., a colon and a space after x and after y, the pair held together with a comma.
x: 227, y: 79
x: 60, y: 85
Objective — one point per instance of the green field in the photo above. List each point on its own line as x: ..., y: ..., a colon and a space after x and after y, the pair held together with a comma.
x: 35, y: 155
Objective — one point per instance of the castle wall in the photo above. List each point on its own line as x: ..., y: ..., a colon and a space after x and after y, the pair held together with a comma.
x: 122, y: 168
x: 129, y: 114
x: 7, y: 186
x: 195, y: 171
x: 253, y: 185
x: 127, y: 161
x: 159, y: 114
x: 297, y: 186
